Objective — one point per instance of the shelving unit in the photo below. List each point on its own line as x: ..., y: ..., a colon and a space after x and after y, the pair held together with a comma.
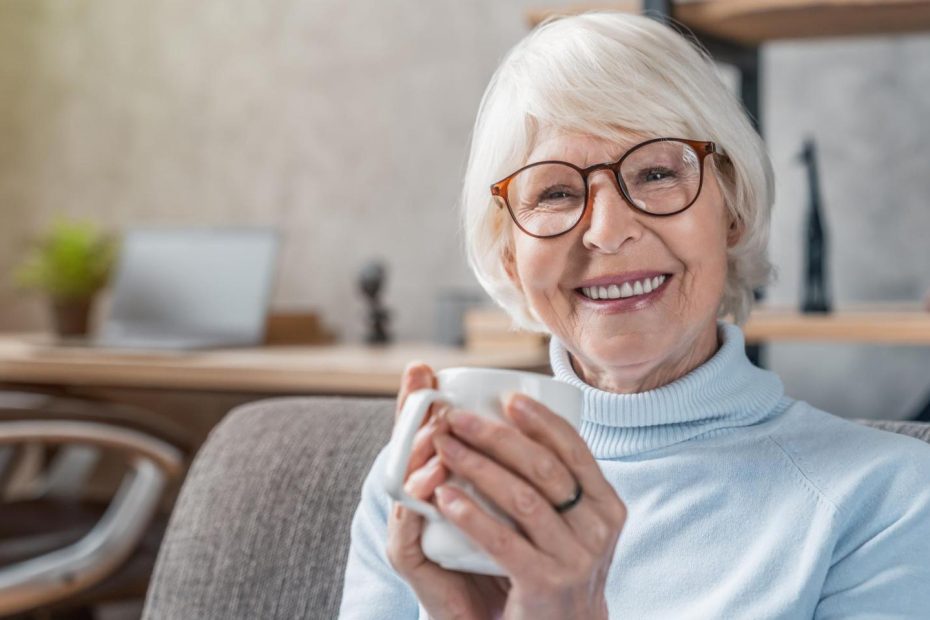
x: 889, y: 324
x: 753, y: 22
x: 733, y: 31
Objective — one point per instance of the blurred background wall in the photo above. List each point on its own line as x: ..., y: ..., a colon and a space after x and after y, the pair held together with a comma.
x: 346, y: 126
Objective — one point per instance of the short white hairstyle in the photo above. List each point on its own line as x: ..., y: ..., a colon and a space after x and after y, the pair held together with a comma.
x: 607, y: 74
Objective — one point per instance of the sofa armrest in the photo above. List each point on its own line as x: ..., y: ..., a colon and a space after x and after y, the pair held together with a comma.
x: 261, y: 526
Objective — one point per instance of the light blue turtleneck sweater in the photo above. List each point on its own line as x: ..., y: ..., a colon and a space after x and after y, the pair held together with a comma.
x: 742, y: 503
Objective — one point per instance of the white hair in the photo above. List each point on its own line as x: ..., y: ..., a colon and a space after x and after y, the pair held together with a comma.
x: 605, y: 74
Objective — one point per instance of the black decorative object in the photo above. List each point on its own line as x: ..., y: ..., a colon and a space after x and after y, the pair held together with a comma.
x: 816, y: 295
x: 371, y: 281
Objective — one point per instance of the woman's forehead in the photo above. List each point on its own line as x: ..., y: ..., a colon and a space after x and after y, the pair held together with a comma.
x: 582, y: 149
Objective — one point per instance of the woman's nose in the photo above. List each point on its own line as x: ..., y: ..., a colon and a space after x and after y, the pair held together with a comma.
x: 610, y: 221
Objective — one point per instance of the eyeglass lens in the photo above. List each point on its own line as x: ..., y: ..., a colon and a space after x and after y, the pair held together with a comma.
x: 660, y: 178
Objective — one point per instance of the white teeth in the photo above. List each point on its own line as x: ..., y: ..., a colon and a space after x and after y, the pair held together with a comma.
x: 613, y: 291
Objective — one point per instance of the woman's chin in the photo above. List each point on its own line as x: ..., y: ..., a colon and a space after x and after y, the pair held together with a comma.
x: 626, y: 354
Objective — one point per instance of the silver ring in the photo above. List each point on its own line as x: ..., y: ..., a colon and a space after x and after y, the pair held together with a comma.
x: 567, y: 505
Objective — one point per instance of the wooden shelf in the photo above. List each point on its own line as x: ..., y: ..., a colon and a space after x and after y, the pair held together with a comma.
x: 753, y: 22
x: 902, y: 323
x: 886, y: 324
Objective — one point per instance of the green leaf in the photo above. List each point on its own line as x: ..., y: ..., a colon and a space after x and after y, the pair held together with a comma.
x: 72, y: 261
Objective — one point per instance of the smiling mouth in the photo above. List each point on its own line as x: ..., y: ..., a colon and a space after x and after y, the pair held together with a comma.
x: 634, y: 288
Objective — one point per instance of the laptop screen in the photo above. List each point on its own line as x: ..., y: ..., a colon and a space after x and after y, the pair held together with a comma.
x: 193, y: 282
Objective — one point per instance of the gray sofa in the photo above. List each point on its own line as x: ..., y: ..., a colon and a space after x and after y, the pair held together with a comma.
x: 261, y: 527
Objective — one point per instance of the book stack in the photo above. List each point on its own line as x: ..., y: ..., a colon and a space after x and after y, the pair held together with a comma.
x: 301, y: 327
x: 490, y: 329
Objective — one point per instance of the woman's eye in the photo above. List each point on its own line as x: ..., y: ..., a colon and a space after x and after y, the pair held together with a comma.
x: 657, y: 174
x: 556, y: 198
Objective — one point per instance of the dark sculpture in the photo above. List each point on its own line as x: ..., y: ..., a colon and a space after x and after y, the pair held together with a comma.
x: 816, y: 295
x: 371, y: 281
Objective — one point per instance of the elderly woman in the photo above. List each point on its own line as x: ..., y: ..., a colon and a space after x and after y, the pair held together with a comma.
x: 617, y: 198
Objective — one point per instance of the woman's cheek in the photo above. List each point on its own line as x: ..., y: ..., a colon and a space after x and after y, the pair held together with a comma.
x: 540, y: 268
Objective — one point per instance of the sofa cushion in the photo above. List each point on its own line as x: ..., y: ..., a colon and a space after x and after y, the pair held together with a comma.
x: 261, y: 526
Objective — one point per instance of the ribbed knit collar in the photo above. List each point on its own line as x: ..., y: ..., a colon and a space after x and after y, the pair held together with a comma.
x: 725, y: 391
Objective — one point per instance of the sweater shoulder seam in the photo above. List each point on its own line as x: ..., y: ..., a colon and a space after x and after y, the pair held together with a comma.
x: 821, y: 495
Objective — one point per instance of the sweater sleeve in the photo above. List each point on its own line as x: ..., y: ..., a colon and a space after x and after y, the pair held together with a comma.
x: 881, y: 564
x: 372, y: 588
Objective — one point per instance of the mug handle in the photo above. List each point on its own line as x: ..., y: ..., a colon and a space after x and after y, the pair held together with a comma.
x: 411, y: 417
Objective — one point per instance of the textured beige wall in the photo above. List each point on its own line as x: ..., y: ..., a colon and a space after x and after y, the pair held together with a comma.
x: 345, y: 125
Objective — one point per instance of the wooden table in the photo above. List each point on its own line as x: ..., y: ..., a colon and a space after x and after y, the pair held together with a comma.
x: 193, y: 390
x: 330, y: 369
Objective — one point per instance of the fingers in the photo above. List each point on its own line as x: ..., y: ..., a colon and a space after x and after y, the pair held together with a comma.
x: 547, y: 428
x: 417, y: 376
x: 507, y: 445
x: 405, y: 526
x: 544, y: 450
x: 422, y: 482
x: 423, y: 447
x: 507, y: 547
x: 512, y: 494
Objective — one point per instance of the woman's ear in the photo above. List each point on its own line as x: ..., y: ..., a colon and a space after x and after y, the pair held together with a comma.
x: 510, y: 265
x: 734, y: 231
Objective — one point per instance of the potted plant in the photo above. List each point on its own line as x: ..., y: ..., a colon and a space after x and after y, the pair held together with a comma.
x: 70, y: 264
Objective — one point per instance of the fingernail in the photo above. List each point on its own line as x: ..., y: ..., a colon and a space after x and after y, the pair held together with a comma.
x: 463, y: 421
x: 447, y: 496
x: 441, y: 411
x: 416, y: 370
x: 448, y: 445
x: 520, y: 403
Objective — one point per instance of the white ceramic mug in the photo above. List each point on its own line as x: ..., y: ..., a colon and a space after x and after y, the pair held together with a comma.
x: 478, y: 390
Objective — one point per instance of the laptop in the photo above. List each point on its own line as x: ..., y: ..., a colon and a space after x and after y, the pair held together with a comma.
x: 191, y: 288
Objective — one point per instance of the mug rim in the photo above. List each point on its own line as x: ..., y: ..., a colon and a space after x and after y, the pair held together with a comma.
x: 497, y: 371
x: 552, y: 383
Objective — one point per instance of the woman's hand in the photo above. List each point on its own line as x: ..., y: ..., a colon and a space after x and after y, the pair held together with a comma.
x: 558, y: 563
x: 444, y: 593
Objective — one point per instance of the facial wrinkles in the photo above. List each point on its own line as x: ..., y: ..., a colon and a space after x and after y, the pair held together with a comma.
x: 679, y: 244
x: 682, y: 358
x: 662, y: 374
x: 568, y: 320
x: 551, y: 145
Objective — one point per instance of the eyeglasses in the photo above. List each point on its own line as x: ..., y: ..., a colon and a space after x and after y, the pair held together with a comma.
x: 659, y: 177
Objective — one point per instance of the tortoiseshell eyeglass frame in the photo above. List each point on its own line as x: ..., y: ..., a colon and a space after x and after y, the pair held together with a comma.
x: 701, y: 147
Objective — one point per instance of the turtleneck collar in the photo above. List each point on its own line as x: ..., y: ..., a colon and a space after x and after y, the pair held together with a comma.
x: 726, y: 391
